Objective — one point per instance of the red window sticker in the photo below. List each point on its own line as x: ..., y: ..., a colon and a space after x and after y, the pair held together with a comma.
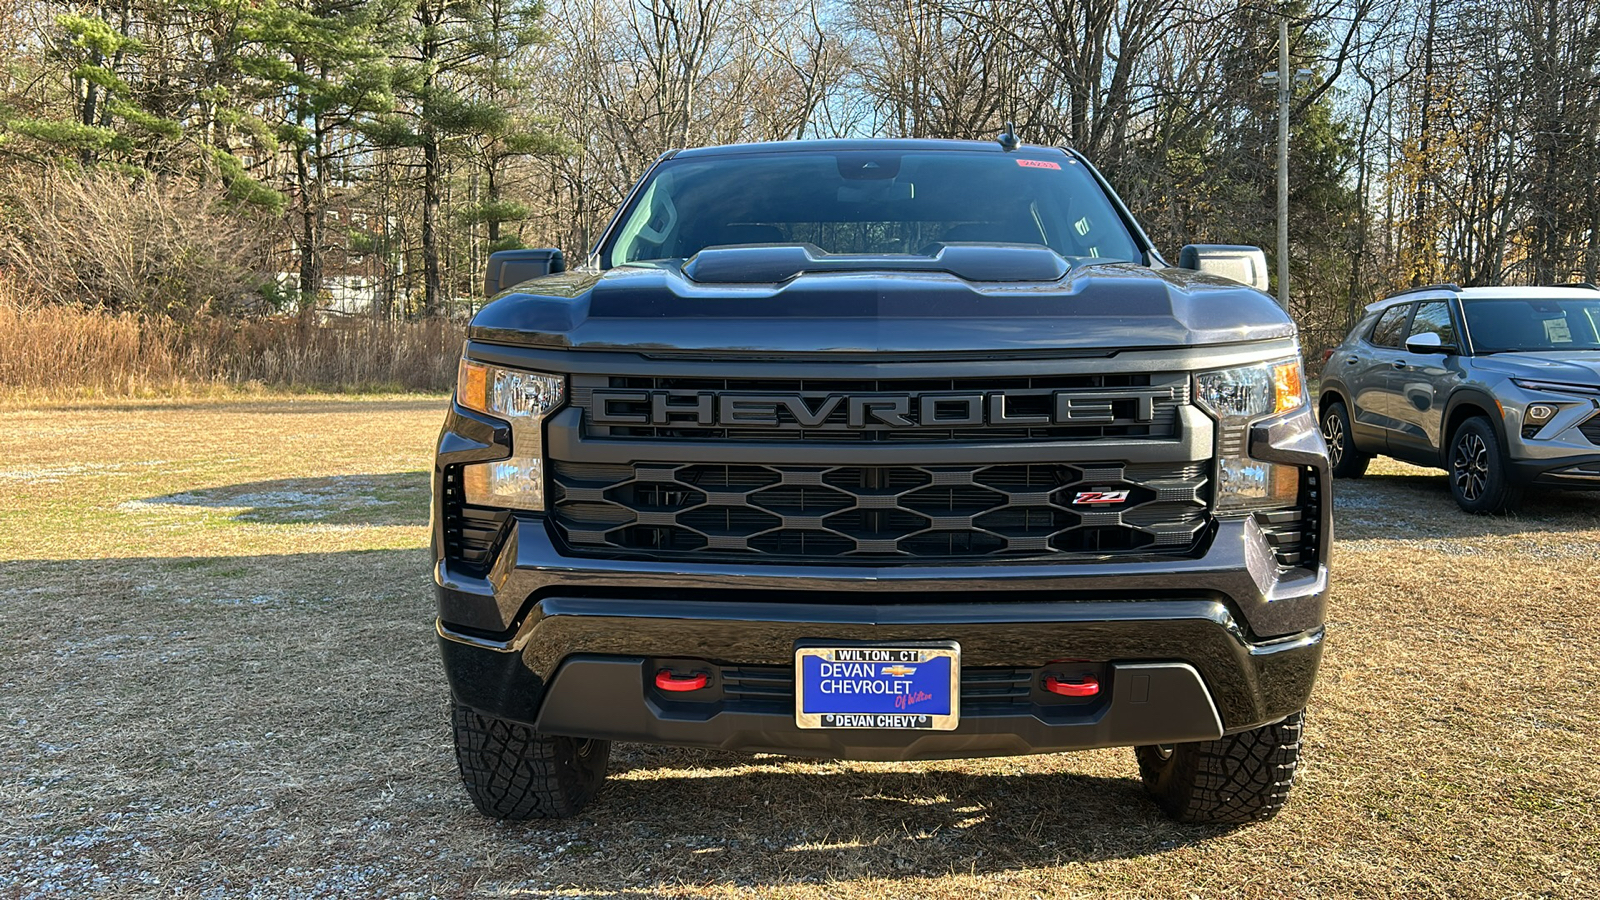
x: 1038, y: 164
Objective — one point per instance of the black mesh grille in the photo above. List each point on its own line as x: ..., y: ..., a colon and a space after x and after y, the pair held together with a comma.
x: 864, y: 512
x: 1124, y: 406
x: 1591, y: 430
x: 470, y: 532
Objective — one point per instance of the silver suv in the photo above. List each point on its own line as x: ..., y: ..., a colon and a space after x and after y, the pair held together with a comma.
x: 1499, y: 386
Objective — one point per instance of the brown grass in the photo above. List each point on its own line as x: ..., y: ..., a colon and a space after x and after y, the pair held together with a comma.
x: 55, y: 351
x: 236, y: 692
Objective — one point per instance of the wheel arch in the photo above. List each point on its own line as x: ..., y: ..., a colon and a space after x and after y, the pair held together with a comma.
x: 1463, y: 405
x: 1329, y: 395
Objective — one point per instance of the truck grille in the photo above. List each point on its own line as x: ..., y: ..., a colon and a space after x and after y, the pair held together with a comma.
x: 1035, y: 408
x: 878, y: 512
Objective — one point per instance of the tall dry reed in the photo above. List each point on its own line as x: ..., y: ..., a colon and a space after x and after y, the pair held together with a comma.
x: 54, y: 350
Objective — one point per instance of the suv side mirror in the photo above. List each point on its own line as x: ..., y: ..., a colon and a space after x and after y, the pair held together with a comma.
x: 509, y: 267
x: 1246, y: 265
x: 1427, y: 342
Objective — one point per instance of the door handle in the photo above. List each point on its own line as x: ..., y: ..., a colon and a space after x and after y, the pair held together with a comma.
x: 1351, y: 361
x: 1401, y: 364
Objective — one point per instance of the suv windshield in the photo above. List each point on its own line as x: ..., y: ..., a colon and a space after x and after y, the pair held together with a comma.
x: 870, y: 201
x: 1503, y: 325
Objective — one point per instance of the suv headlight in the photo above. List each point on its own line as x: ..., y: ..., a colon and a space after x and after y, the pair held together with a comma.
x: 524, y: 399
x: 1534, y: 384
x: 1237, y: 397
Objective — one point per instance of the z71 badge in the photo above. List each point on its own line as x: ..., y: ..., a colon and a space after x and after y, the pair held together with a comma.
x: 1094, y: 498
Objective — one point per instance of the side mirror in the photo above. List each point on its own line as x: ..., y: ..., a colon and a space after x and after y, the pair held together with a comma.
x: 511, y: 267
x: 1246, y: 265
x: 1427, y: 342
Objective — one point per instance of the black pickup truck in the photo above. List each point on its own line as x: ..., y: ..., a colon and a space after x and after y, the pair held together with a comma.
x: 886, y: 450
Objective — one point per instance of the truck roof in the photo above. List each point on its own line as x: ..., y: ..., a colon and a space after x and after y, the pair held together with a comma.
x: 898, y: 144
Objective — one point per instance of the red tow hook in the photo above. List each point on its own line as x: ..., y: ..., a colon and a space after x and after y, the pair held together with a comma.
x: 1088, y: 687
x: 667, y: 680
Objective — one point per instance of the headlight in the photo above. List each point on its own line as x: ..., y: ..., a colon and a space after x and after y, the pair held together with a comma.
x: 1237, y: 397
x: 524, y: 399
x: 1250, y: 392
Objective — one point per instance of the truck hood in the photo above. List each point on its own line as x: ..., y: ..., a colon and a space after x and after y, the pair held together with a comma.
x: 657, y: 308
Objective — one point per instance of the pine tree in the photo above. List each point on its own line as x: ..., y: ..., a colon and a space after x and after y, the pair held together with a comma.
x: 460, y: 64
x: 320, y: 68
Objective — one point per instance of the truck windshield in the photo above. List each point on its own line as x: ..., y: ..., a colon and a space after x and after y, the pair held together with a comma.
x: 1507, y: 325
x: 870, y: 202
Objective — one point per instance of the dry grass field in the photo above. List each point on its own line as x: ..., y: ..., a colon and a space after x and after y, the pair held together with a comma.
x: 217, y: 679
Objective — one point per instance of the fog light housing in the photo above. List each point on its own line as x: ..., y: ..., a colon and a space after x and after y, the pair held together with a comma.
x: 517, y: 482
x: 1540, y: 413
x: 1245, y: 483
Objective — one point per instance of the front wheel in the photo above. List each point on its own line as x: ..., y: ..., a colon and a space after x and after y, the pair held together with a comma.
x: 1478, y: 477
x: 1343, y: 457
x: 513, y: 772
x: 1234, y: 780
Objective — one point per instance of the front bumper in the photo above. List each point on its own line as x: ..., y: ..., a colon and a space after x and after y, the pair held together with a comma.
x: 1192, y: 646
x: 1575, y: 472
x: 1175, y: 670
x: 1562, y: 454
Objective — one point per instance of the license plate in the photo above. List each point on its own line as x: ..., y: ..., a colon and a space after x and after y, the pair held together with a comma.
x: 901, y: 686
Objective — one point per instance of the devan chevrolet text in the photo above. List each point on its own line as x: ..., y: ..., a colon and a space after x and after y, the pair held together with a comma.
x: 881, y: 450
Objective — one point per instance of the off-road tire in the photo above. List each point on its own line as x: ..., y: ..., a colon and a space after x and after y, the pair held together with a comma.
x: 1345, y: 460
x: 513, y: 772
x: 1234, y: 780
x: 1478, y: 477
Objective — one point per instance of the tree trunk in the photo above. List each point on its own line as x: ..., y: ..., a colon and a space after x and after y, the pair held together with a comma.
x: 432, y: 166
x: 1421, y: 244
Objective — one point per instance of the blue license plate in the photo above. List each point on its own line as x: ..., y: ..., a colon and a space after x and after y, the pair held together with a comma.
x: 882, y: 686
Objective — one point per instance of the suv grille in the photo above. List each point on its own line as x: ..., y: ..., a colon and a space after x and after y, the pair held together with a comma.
x: 866, y: 512
x: 1038, y: 408
x: 1591, y: 429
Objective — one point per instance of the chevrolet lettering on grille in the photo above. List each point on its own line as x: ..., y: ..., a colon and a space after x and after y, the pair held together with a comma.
x: 875, y: 411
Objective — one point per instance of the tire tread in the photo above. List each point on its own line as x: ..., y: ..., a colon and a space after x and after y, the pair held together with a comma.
x: 514, y: 772
x: 1234, y: 780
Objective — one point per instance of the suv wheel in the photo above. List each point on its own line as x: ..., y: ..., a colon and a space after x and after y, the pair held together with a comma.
x: 1234, y: 780
x: 1345, y: 459
x: 1478, y: 478
x: 514, y: 772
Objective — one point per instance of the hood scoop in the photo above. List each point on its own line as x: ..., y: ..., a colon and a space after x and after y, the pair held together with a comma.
x: 778, y: 263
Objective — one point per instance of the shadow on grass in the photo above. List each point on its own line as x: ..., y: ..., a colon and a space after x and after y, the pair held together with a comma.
x: 768, y: 827
x: 392, y: 498
x: 1417, y: 505
x: 238, y: 675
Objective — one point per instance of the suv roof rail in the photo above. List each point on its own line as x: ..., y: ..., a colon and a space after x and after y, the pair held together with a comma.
x: 1443, y: 286
x: 1576, y: 284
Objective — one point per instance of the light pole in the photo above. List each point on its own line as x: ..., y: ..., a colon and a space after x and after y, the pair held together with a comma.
x: 1285, y: 85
